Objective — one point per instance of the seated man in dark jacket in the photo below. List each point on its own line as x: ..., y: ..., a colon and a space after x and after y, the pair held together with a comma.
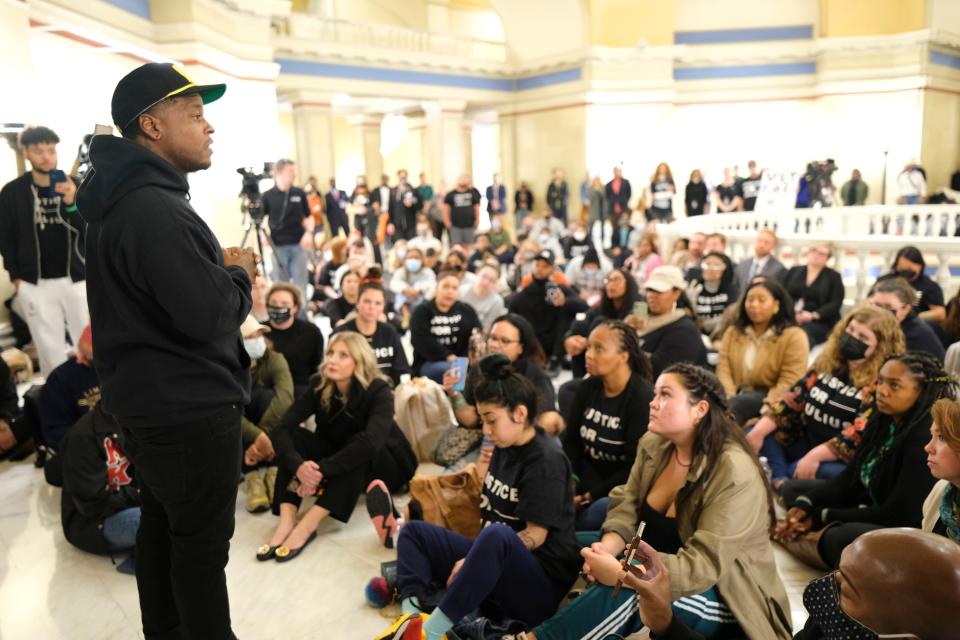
x: 548, y: 306
x: 100, y: 503
x: 70, y: 391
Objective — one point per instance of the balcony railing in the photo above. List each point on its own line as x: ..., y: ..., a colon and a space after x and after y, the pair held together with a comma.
x: 865, y: 238
x: 309, y: 34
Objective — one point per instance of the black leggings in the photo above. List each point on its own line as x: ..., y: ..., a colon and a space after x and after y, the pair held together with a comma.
x: 341, y: 492
x: 836, y: 538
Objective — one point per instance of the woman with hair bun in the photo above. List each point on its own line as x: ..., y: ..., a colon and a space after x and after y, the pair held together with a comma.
x: 525, y: 559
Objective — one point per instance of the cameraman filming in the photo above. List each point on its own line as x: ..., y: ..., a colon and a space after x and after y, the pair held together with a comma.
x: 166, y: 305
x: 291, y: 226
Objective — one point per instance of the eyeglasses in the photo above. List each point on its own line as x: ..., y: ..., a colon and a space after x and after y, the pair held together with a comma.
x: 502, y: 341
x: 612, y: 279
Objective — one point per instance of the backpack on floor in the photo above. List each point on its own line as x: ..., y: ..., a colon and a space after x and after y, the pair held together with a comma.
x: 424, y: 415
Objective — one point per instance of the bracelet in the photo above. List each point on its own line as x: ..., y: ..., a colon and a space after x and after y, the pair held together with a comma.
x: 70, y: 208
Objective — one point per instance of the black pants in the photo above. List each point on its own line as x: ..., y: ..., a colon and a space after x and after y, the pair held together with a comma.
x: 817, y: 331
x: 836, y: 538
x: 746, y: 405
x: 188, y: 488
x: 340, y: 493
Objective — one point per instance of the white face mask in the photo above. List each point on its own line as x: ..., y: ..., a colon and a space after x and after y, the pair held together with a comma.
x: 579, y: 236
x: 255, y: 347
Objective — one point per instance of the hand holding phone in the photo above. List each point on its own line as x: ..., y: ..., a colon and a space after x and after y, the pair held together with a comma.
x: 641, y: 310
x: 459, y: 369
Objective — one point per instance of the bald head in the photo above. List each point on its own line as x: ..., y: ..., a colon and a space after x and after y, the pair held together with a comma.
x: 902, y: 581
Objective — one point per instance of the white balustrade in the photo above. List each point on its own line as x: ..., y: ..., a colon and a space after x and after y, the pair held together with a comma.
x: 870, y: 235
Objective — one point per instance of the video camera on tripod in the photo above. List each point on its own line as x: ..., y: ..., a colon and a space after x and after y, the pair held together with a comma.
x: 252, y: 203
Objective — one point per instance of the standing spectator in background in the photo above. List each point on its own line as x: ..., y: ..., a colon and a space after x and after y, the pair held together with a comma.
x: 763, y: 262
x: 597, y: 209
x: 696, y: 195
x: 817, y: 291
x: 405, y: 204
x: 336, y: 208
x: 912, y: 184
x: 41, y: 240
x: 381, y: 195
x: 461, y: 212
x: 300, y: 341
x: 290, y: 222
x: 618, y: 194
x: 727, y: 193
x: 750, y: 186
x: 496, y: 197
x: 585, y: 199
x: 523, y: 205
x: 557, y: 196
x: 854, y: 191
x: 662, y: 190
x: 424, y: 189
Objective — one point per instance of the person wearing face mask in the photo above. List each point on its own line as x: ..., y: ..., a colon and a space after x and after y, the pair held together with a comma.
x: 424, y: 239
x: 368, y: 321
x: 941, y: 509
x: 892, y: 583
x: 808, y: 433
x: 888, y: 479
x: 910, y: 265
x: 271, y: 394
x: 548, y: 229
x: 412, y: 284
x: 695, y: 195
x: 898, y: 297
x: 440, y: 329
x: 500, y: 242
x: 300, y: 341
x: 482, y: 295
x: 577, y: 242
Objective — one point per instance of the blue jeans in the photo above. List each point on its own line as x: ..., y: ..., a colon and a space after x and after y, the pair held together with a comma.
x: 435, y: 370
x: 783, y: 460
x: 591, y: 517
x: 290, y: 265
x: 120, y: 529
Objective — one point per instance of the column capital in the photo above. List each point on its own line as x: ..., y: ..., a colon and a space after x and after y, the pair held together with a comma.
x: 365, y: 119
x: 443, y: 107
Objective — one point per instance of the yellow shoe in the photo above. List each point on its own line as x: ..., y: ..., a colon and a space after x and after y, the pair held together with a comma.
x: 409, y: 626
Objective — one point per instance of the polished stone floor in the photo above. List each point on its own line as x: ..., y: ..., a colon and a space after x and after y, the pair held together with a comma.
x: 50, y: 590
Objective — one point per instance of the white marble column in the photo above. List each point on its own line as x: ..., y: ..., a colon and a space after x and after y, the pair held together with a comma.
x: 313, y: 136
x: 367, y: 127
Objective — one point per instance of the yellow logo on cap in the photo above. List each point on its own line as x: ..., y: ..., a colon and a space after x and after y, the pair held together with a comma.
x: 190, y: 82
x: 180, y: 70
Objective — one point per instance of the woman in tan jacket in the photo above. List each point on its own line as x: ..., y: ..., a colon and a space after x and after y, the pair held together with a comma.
x: 708, y: 511
x: 763, y: 353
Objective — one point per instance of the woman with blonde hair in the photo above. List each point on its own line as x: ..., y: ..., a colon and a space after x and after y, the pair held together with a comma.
x: 811, y: 432
x: 357, y: 445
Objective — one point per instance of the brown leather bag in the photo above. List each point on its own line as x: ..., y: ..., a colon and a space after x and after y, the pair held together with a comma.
x: 451, y: 501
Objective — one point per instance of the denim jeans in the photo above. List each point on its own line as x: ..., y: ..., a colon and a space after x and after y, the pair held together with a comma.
x: 435, y: 370
x: 120, y: 529
x: 290, y: 265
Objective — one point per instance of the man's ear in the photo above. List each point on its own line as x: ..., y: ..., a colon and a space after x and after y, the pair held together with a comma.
x: 150, y: 126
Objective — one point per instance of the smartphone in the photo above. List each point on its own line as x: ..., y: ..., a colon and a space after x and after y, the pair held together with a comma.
x: 640, y: 310
x: 56, y: 176
x: 459, y: 369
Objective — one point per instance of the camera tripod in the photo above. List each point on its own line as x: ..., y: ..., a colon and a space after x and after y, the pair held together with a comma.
x: 255, y: 223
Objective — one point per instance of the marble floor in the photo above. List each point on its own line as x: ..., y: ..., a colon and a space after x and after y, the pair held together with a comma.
x: 49, y: 590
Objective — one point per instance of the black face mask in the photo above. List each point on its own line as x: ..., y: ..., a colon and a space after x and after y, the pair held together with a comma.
x: 279, y: 315
x: 852, y: 348
x: 822, y: 600
x: 909, y: 274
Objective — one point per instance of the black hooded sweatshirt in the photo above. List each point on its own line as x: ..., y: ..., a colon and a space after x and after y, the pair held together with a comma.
x: 165, y: 311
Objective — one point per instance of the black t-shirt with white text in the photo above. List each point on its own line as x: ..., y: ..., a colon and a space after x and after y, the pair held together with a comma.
x: 532, y: 484
x: 286, y: 211
x: 437, y: 334
x: 600, y: 429
x: 928, y: 293
x: 728, y: 193
x: 750, y: 188
x: 712, y: 305
x: 386, y: 345
x: 462, y: 207
x: 52, y: 235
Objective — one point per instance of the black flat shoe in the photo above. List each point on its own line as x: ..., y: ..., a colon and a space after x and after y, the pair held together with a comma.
x: 266, y: 552
x: 284, y: 553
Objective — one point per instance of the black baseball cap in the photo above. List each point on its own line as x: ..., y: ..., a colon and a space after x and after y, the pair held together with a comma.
x: 546, y: 255
x: 147, y: 85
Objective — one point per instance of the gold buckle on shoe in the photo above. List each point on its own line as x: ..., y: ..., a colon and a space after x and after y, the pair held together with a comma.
x: 282, y: 551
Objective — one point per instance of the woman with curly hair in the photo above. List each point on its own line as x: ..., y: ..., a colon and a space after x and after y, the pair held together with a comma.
x: 888, y: 479
x: 807, y: 433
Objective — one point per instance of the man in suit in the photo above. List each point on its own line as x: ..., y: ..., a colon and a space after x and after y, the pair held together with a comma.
x: 496, y: 197
x: 380, y: 196
x: 763, y: 262
x: 405, y: 204
x: 336, y: 207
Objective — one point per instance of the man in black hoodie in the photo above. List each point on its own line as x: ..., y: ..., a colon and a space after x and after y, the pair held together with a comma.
x: 166, y: 305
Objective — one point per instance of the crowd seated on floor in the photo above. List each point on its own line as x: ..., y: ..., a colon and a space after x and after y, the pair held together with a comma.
x: 723, y: 407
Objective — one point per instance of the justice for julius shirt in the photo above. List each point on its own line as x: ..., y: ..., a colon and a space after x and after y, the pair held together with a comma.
x: 437, y: 334
x: 387, y: 346
x: 829, y: 404
x: 531, y: 484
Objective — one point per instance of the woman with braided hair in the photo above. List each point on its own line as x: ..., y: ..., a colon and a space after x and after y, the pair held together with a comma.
x: 887, y: 481
x: 607, y: 417
x: 708, y: 512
